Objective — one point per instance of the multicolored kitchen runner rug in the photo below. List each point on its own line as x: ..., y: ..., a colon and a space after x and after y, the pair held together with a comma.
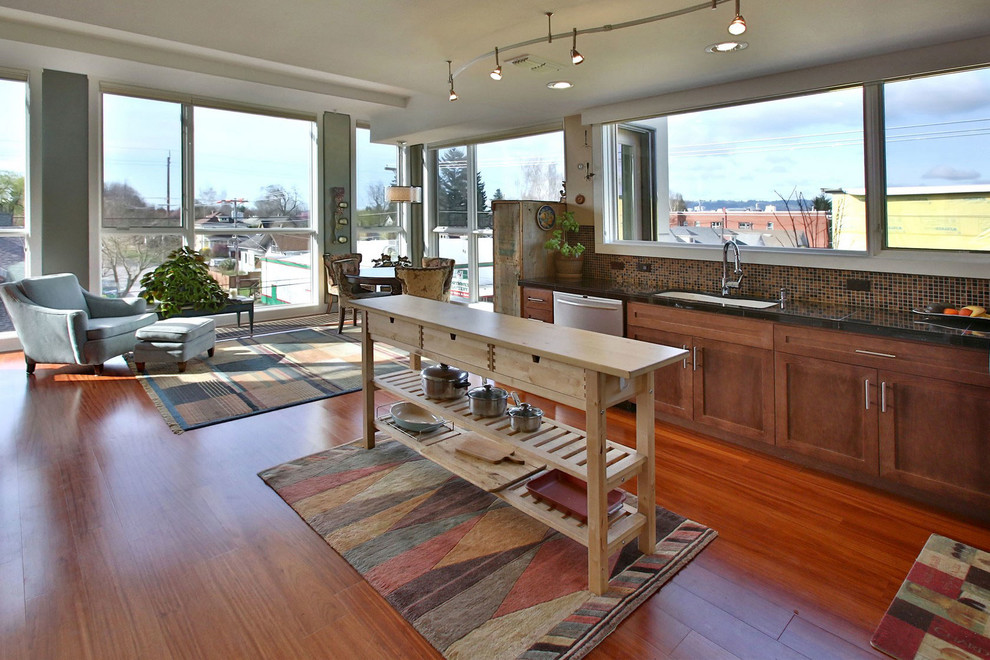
x: 475, y: 576
x: 942, y: 611
x: 249, y: 376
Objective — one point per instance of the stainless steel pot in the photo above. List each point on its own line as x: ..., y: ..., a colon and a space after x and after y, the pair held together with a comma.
x: 488, y: 401
x: 524, y: 418
x: 443, y: 382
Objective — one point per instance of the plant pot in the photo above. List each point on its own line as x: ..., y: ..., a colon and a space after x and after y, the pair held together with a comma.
x: 568, y: 268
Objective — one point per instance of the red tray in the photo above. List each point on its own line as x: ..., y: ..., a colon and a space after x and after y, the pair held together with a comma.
x: 569, y: 494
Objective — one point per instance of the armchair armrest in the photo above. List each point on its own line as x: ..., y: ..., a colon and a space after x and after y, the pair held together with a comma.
x: 100, y: 307
x: 51, y: 335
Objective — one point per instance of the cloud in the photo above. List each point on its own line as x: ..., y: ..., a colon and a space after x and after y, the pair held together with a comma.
x: 950, y: 174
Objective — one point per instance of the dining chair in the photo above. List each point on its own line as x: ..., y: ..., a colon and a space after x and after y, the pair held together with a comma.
x: 433, y: 262
x: 332, y: 286
x: 424, y: 282
x: 346, y: 292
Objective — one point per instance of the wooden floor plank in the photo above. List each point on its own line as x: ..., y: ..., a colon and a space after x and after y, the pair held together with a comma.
x: 814, y: 642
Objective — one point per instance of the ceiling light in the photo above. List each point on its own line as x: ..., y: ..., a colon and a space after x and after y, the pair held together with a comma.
x: 726, y: 47
x: 560, y: 84
x: 738, y: 24
x: 450, y: 79
x: 576, y: 57
x: 496, y: 73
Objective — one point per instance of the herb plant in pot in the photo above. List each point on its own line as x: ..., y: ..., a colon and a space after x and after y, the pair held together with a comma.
x: 568, y: 258
x: 183, y: 282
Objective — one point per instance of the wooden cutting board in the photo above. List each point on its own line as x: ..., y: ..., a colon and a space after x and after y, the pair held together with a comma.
x: 486, y: 450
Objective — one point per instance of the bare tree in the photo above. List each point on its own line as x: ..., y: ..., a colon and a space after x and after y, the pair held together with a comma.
x: 279, y: 202
x: 811, y: 221
x: 125, y: 258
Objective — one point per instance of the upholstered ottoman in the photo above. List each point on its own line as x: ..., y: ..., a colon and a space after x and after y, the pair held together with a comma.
x: 174, y: 340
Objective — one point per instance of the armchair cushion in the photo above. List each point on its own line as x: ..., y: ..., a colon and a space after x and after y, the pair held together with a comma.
x: 100, y: 307
x: 55, y: 291
x: 111, y: 326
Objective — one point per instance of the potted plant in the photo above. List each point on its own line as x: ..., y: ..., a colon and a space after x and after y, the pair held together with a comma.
x: 183, y: 281
x: 569, y: 259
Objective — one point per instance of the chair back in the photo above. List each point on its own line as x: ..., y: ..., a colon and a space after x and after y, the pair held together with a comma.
x: 338, y: 269
x: 434, y: 262
x: 424, y: 282
x: 60, y: 291
x: 328, y: 259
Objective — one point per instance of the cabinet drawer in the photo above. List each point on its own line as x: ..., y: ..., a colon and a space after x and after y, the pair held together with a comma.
x: 544, y: 315
x: 386, y: 327
x: 537, y: 299
x: 544, y: 372
x: 965, y: 365
x: 709, y: 325
x: 461, y: 350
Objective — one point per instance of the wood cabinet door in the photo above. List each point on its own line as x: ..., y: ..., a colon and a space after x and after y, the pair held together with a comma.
x: 828, y: 411
x: 673, y: 384
x: 733, y: 388
x: 935, y: 435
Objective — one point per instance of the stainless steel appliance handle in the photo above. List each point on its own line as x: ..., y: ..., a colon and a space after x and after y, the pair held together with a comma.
x: 562, y: 301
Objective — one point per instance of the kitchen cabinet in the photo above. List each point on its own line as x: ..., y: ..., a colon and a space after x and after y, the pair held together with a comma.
x: 589, y: 371
x: 726, y: 379
x: 912, y: 414
x: 537, y: 304
x: 519, y: 252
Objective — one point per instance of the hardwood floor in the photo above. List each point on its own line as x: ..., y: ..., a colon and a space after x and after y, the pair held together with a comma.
x: 119, y: 539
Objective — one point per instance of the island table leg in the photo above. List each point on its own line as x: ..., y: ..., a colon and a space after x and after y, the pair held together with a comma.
x: 367, y: 383
x: 646, y: 481
x: 597, y: 506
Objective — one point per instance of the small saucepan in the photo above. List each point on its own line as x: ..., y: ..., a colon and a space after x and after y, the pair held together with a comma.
x: 524, y: 418
x: 488, y: 401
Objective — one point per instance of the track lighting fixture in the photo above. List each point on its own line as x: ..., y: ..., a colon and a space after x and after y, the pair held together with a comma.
x: 576, y: 57
x: 450, y: 79
x: 738, y: 24
x: 496, y: 73
x: 549, y: 28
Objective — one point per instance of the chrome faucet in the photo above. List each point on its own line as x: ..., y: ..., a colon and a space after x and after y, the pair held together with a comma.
x: 737, y: 271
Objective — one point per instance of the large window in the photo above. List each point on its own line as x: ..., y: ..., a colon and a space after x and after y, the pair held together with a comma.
x: 468, y: 178
x: 379, y: 228
x: 13, y: 166
x: 763, y: 174
x: 938, y: 162
x: 244, y: 197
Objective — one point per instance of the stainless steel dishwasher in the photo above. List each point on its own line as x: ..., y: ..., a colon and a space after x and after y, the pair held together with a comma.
x: 588, y: 313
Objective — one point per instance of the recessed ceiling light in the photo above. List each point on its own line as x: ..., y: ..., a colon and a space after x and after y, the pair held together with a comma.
x: 560, y: 84
x: 726, y: 47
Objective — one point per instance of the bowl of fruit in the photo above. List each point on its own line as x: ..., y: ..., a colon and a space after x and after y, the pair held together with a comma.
x: 942, y: 309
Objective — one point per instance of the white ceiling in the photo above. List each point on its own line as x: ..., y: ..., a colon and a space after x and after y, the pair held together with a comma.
x: 390, y: 55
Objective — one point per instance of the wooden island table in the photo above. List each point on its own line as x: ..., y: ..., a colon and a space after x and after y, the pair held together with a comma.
x: 586, y: 370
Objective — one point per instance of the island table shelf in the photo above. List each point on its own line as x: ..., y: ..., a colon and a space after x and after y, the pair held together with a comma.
x: 587, y: 370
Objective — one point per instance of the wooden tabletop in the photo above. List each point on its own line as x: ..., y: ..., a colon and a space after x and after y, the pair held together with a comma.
x: 617, y: 356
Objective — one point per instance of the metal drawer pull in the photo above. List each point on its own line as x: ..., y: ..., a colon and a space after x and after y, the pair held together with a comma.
x: 694, y: 359
x: 867, y: 390
x: 883, y: 396
x: 684, y: 361
x: 531, y: 299
x: 887, y: 355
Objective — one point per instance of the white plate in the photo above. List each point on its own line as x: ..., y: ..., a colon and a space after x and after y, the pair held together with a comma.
x: 413, y: 418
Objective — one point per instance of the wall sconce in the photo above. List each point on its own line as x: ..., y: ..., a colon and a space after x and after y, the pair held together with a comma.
x: 411, y: 194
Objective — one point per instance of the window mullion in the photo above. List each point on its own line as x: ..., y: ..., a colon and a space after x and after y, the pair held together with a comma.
x: 875, y: 165
x: 188, y: 190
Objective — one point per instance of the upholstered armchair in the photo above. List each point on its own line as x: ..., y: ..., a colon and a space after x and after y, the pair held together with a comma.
x: 424, y: 282
x: 332, y: 286
x: 433, y: 262
x: 59, y: 322
x: 346, y: 292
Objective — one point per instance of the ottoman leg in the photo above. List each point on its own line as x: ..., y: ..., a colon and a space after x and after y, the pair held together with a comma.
x: 182, y: 367
x: 139, y: 366
x: 210, y: 352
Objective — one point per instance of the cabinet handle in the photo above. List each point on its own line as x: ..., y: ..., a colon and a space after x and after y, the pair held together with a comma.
x: 886, y: 355
x: 694, y: 359
x: 531, y: 299
x: 684, y: 361
x: 866, y: 388
x: 883, y: 396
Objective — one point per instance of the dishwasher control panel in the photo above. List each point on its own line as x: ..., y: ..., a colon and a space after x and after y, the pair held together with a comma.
x: 588, y: 313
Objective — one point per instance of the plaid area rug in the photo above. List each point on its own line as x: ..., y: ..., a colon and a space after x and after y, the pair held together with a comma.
x: 475, y: 576
x: 942, y: 611
x: 254, y: 375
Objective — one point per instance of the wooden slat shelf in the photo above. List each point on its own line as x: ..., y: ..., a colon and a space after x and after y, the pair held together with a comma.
x: 555, y: 444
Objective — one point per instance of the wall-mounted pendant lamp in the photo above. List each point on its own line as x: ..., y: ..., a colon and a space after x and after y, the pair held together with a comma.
x: 412, y: 194
x: 450, y: 79
x: 496, y: 73
x: 738, y: 24
x: 576, y: 57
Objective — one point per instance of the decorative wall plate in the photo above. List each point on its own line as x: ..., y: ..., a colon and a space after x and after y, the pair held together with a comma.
x: 545, y: 217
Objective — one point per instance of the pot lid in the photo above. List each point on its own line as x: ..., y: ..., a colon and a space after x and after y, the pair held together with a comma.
x: 443, y: 372
x: 525, y: 410
x: 488, y: 393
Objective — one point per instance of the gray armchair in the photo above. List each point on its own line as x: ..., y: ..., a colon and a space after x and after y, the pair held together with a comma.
x: 59, y: 322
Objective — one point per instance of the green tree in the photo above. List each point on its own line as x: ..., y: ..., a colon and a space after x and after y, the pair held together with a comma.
x: 12, y: 194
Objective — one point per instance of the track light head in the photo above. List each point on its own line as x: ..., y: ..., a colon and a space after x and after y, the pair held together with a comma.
x: 496, y: 73
x: 576, y: 57
x: 450, y: 79
x: 738, y: 24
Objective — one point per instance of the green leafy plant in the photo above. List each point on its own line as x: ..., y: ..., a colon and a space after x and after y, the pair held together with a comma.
x: 558, y: 238
x: 183, y: 280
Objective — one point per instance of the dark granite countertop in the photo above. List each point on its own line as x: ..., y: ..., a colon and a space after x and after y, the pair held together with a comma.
x: 972, y: 333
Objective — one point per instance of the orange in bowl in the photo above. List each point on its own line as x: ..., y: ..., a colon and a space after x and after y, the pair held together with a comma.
x: 950, y: 310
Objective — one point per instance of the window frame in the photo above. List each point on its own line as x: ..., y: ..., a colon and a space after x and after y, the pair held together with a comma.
x: 876, y: 257
x: 187, y: 229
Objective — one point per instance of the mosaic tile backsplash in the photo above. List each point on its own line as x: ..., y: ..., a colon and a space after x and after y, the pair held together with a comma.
x: 889, y: 291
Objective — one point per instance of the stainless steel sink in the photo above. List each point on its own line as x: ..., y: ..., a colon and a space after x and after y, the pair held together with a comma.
x: 708, y: 299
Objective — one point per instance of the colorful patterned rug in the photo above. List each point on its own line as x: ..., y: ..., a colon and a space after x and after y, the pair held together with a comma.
x: 942, y: 611
x: 249, y: 376
x: 475, y: 576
